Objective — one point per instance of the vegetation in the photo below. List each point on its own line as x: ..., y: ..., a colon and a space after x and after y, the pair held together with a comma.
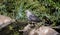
x: 16, y: 10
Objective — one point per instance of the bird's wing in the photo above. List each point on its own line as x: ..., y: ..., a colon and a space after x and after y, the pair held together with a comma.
x: 34, y: 18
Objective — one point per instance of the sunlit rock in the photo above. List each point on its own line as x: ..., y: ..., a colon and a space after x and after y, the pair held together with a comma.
x: 5, y: 20
x: 43, y: 31
x: 27, y: 29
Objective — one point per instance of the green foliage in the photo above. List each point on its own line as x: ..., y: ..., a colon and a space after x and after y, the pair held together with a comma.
x: 16, y: 9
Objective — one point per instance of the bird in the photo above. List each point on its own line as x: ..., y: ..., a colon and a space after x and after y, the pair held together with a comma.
x: 32, y: 17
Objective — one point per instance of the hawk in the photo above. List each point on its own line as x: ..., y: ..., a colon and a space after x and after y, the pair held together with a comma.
x: 32, y: 17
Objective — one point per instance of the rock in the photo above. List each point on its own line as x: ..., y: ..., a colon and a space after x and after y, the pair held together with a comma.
x: 5, y: 20
x: 27, y: 29
x: 43, y: 31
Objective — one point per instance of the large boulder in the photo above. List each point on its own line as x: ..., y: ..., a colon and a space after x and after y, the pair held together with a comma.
x: 44, y: 30
x: 5, y: 20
